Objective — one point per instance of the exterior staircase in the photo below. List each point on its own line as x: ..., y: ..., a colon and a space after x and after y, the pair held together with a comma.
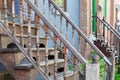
x: 108, y: 41
x: 27, y: 55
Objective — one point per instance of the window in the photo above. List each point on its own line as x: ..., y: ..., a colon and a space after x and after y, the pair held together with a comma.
x: 61, y: 4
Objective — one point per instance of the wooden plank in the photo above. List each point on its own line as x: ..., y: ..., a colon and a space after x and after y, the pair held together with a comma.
x: 9, y: 50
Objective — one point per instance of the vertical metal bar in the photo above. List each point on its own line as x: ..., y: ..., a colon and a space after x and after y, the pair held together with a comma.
x: 21, y: 22
x: 38, y: 34
x: 56, y: 56
x: 29, y: 30
x: 46, y: 49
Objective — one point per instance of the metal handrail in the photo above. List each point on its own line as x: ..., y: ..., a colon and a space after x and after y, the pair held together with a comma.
x: 73, y: 50
x: 9, y: 33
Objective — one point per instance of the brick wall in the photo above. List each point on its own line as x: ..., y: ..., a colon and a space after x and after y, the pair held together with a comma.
x: 85, y: 22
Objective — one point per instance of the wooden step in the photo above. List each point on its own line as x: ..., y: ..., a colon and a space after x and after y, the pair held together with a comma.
x: 23, y: 66
x: 51, y: 62
x: 9, y: 50
x: 68, y: 76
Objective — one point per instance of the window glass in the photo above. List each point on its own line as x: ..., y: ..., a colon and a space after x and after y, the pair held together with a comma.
x: 60, y: 3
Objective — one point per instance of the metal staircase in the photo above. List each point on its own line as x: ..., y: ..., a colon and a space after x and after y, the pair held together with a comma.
x: 34, y: 17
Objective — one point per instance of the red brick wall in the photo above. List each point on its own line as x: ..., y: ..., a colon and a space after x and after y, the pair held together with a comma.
x: 85, y: 24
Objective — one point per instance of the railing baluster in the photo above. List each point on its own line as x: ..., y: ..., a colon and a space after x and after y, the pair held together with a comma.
x: 110, y: 38
x: 46, y: 49
x: 55, y: 18
x: 37, y: 19
x: 66, y: 30
x: 14, y: 26
x: 49, y: 13
x: 36, y: 3
x: 56, y: 56
x: 43, y: 7
x: 74, y: 58
x: 103, y: 30
x: 21, y: 22
x: 13, y: 16
x: 65, y: 62
x: 6, y: 16
x: 60, y: 28
x: 79, y: 44
x: 73, y: 36
x: 29, y: 30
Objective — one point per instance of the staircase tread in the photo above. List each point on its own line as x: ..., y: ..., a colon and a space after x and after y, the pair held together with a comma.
x: 24, y: 25
x: 42, y: 49
x: 33, y: 36
x: 9, y: 50
x: 23, y: 66
x: 24, y: 35
x: 50, y: 62
x: 60, y: 75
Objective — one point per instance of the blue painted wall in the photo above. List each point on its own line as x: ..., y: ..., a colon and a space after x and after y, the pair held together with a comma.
x: 73, y: 9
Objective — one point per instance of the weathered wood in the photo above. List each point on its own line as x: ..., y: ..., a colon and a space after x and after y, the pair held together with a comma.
x: 23, y: 66
x: 9, y: 50
x: 55, y: 61
x: 21, y: 22
x: 46, y: 49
